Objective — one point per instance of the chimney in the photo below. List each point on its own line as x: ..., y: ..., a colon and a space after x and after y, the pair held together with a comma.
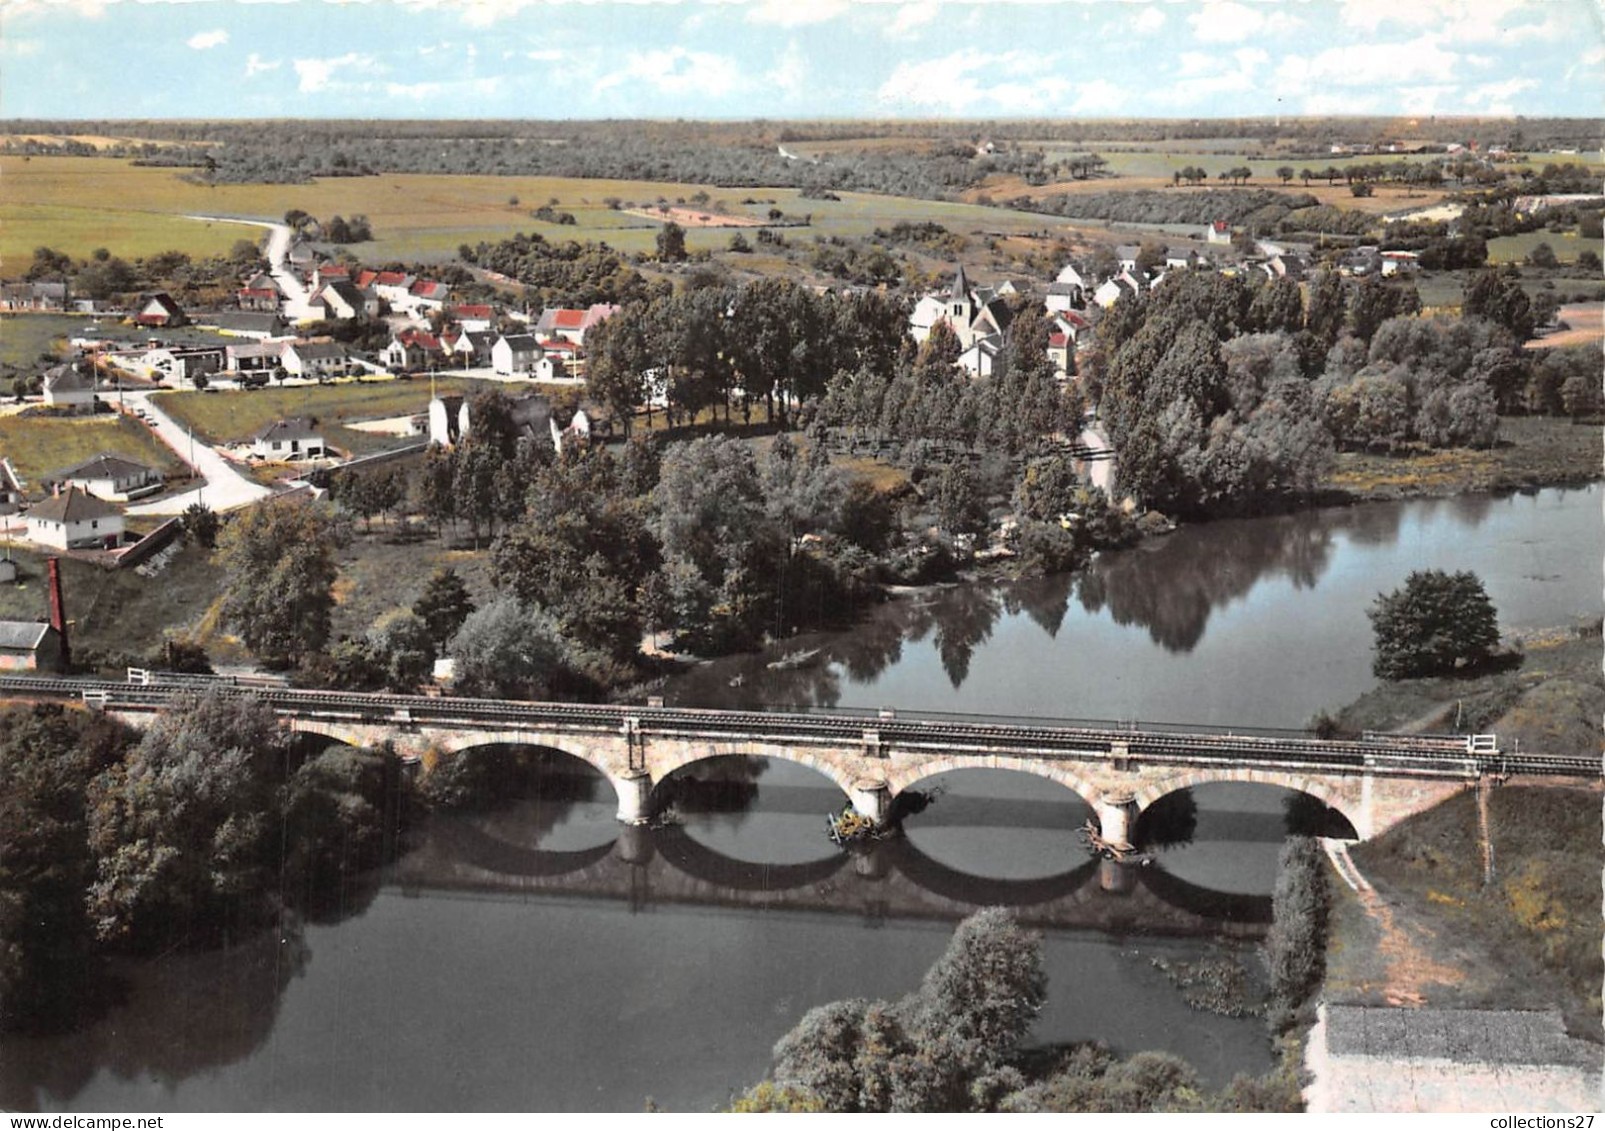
x: 58, y: 610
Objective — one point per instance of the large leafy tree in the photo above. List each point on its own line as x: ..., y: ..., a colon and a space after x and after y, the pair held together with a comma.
x: 508, y: 650
x: 183, y: 829
x: 280, y: 562
x: 444, y: 604
x: 1435, y: 623
x: 48, y: 756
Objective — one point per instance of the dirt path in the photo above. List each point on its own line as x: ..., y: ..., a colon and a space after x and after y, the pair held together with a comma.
x: 1403, y: 967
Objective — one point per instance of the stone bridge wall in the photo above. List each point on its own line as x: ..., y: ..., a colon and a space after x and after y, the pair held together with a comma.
x: 871, y: 775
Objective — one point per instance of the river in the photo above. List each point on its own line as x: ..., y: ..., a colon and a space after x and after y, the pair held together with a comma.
x: 536, y: 956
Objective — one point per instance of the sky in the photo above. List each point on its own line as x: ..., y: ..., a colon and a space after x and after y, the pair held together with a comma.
x: 798, y: 58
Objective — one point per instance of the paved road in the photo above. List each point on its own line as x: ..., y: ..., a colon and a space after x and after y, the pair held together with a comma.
x: 1102, y: 472
x: 225, y: 488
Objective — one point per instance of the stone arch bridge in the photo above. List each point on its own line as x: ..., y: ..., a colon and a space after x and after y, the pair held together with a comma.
x: 1118, y: 770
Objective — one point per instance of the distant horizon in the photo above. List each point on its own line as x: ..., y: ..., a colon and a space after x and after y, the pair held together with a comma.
x: 1519, y: 116
x: 791, y: 60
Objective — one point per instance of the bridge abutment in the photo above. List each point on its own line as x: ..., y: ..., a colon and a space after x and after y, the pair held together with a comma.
x: 872, y: 798
x: 1117, y: 818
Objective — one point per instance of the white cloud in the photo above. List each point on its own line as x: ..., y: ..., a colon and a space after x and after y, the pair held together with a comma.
x: 1151, y: 20
x: 319, y: 74
x: 545, y: 55
x: 1100, y: 96
x: 1371, y: 64
x: 206, y: 40
x: 790, y: 74
x: 1463, y: 21
x: 675, y: 70
x: 255, y: 65
x: 1029, y: 82
x: 1226, y: 21
x: 795, y: 13
x: 910, y: 18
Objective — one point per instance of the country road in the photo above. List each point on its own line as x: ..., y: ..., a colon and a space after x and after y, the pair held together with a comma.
x: 226, y: 487
x: 278, y: 250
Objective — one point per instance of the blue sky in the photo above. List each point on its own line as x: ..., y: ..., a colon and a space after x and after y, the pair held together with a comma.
x: 798, y: 58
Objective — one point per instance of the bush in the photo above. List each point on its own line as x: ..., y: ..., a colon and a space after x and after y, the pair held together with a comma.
x: 1295, y: 948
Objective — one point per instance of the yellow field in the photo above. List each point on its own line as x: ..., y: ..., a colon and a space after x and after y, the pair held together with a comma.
x: 76, y: 204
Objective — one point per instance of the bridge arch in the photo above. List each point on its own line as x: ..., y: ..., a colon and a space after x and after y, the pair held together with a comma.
x: 625, y: 787
x: 1322, y: 789
x: 664, y: 763
x: 912, y: 774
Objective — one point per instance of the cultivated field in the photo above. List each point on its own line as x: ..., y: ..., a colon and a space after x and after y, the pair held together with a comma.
x: 140, y: 210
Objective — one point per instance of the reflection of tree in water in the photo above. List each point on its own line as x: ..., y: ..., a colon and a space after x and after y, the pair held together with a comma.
x: 1170, y: 822
x: 959, y: 619
x: 181, y: 1015
x: 1171, y: 586
x: 490, y: 778
x: 726, y: 783
x: 1045, y: 600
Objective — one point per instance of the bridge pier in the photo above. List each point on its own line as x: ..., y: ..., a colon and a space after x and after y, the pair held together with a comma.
x: 635, y: 797
x: 1117, y: 818
x: 872, y: 798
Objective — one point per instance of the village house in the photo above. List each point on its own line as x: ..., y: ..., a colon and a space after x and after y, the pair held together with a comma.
x: 413, y: 349
x: 107, y: 476
x: 1065, y: 296
x: 570, y: 324
x: 472, y: 347
x: 981, y: 358
x: 253, y: 357
x: 314, y: 360
x: 263, y: 300
x: 1218, y: 232
x: 329, y: 273
x: 392, y: 287
x: 294, y: 438
x: 342, y: 301
x: 69, y: 385
x: 450, y: 419
x: 29, y: 646
x: 75, y: 520
x: 159, y: 309
x: 557, y: 356
x: 245, y: 324
x: 35, y: 296
x: 474, y: 317
x: 1110, y: 291
x: 514, y: 353
x: 427, y: 295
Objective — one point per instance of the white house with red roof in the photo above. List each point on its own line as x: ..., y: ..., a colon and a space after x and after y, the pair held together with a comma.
x: 474, y: 316
x: 427, y: 294
x: 159, y: 309
x: 412, y: 349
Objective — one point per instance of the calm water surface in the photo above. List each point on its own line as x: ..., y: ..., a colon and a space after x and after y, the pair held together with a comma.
x: 538, y: 957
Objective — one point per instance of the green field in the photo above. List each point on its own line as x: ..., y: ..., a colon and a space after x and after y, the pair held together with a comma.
x: 137, y: 210
x: 233, y: 417
x: 1514, y: 249
x: 24, y: 337
x: 40, y: 444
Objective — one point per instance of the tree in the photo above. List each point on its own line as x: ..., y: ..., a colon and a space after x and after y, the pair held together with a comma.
x: 280, y: 566
x: 1437, y: 622
x: 1286, y: 173
x: 334, y: 819
x: 1497, y: 296
x: 202, y: 524
x: 1542, y: 255
x: 401, y: 640
x: 671, y: 243
x: 443, y: 605
x: 506, y: 650
x: 184, y: 830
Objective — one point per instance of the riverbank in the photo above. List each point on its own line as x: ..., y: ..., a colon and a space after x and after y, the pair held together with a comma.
x: 1533, y: 451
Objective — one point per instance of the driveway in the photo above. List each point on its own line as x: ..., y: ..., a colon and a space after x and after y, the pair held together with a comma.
x: 226, y: 487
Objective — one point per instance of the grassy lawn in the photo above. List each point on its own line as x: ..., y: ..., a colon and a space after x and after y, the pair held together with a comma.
x: 1528, y: 939
x: 1533, y: 451
x: 116, y: 612
x: 233, y: 416
x: 384, y: 570
x: 1514, y: 249
x: 39, y: 444
x: 140, y: 210
x: 23, y: 337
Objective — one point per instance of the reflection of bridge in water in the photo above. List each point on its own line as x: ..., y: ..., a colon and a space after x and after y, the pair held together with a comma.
x: 889, y: 880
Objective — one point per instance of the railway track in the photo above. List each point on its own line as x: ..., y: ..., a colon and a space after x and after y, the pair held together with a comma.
x: 1044, y: 738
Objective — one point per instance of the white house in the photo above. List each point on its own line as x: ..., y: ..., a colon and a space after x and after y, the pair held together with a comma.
x: 514, y: 353
x: 1218, y: 232
x: 981, y: 358
x: 75, y: 520
x: 69, y: 385
x: 295, y: 438
x: 109, y: 476
x: 314, y: 359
